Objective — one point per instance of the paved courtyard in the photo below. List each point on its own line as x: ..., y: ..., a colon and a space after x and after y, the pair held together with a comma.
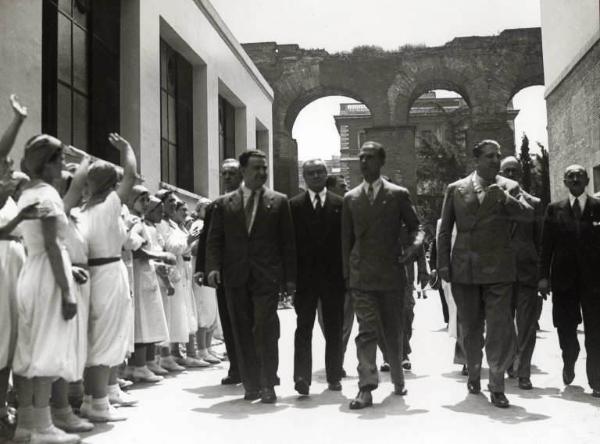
x: 194, y: 407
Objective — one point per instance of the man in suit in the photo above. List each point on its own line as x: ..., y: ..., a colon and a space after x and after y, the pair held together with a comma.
x: 251, y: 244
x: 317, y: 217
x: 482, y: 266
x: 525, y: 240
x: 232, y: 177
x: 570, y: 260
x: 373, y: 262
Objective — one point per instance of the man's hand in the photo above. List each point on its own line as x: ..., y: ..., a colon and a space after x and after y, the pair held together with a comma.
x: 193, y: 236
x: 409, y: 254
x: 214, y: 278
x: 543, y: 288
x: 19, y: 110
x: 79, y: 275
x: 444, y: 274
x: 497, y: 193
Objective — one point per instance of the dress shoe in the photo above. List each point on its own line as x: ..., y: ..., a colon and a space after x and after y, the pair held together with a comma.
x: 525, y: 384
x: 499, y: 400
x: 464, y: 371
x: 400, y: 390
x: 169, y: 364
x: 156, y: 369
x: 385, y: 367
x: 118, y: 397
x: 406, y: 364
x: 568, y: 373
x: 230, y: 380
x: 474, y: 387
x: 100, y: 410
x: 208, y: 357
x: 69, y: 422
x: 190, y: 362
x: 143, y: 374
x: 362, y: 400
x: 335, y: 386
x: 301, y: 386
x: 596, y: 393
x: 251, y: 395
x: 268, y: 396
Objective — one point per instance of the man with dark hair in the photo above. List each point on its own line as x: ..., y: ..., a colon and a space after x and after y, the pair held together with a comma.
x: 373, y: 261
x: 317, y: 216
x: 482, y: 269
x: 251, y: 250
x: 525, y: 239
x: 336, y: 184
x: 570, y: 259
x: 231, y: 179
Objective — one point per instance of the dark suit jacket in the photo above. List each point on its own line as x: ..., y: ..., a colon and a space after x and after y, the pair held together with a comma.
x: 568, y: 257
x: 482, y: 253
x: 318, y: 242
x: 525, y: 240
x: 268, y: 252
x: 370, y: 237
x: 202, y: 239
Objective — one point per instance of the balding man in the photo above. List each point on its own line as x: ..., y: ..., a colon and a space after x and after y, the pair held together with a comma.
x: 317, y: 217
x: 481, y: 265
x: 525, y: 240
x: 570, y: 262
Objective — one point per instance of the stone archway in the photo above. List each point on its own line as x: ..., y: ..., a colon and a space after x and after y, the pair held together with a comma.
x: 486, y: 71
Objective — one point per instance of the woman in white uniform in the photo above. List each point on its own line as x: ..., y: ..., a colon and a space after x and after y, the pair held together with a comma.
x: 110, y: 300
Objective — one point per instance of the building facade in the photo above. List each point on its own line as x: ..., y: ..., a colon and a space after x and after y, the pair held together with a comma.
x: 168, y: 76
x: 571, y: 47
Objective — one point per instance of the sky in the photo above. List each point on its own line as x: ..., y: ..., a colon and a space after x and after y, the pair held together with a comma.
x: 340, y: 25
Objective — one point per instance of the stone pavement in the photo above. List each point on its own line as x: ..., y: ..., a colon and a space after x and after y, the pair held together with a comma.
x: 194, y: 408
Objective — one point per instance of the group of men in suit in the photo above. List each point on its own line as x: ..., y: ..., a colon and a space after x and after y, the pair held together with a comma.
x: 321, y: 247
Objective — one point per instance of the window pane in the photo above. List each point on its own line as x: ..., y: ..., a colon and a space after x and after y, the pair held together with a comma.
x: 65, y: 5
x: 64, y: 49
x: 171, y: 73
x: 80, y: 9
x: 163, y: 65
x: 172, y: 115
x: 63, y: 114
x: 164, y: 160
x: 80, y: 121
x: 80, y: 59
x: 172, y: 164
x: 164, y: 130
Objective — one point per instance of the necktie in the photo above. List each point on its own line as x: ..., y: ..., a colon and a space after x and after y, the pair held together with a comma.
x: 249, y: 209
x: 371, y: 193
x: 318, y: 205
x: 577, y: 209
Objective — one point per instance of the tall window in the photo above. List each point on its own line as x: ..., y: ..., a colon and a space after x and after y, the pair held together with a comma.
x: 176, y: 130
x: 226, y: 129
x: 80, y: 73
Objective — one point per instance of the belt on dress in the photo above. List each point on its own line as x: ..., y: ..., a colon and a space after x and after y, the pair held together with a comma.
x: 102, y: 261
x: 187, y: 258
x: 10, y: 238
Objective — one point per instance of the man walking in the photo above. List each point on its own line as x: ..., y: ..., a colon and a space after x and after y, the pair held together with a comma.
x: 251, y: 239
x: 317, y: 217
x: 232, y: 177
x: 482, y: 270
x: 570, y: 260
x: 525, y: 240
x: 373, y: 262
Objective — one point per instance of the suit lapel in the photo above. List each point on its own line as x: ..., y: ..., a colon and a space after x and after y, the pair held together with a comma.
x: 469, y: 197
x: 236, y: 201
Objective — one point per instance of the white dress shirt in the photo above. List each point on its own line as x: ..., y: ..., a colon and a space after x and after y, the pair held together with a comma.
x: 313, y: 197
x: 582, y: 200
x: 376, y: 187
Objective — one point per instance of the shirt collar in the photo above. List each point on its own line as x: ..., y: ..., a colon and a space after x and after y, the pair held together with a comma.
x: 247, y: 191
x: 478, y: 180
x: 322, y: 195
x: 376, y: 185
x: 582, y: 200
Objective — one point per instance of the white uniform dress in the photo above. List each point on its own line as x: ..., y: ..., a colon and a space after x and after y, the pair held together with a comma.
x: 150, y: 321
x: 77, y: 247
x: 110, y: 300
x: 46, y: 343
x: 177, y: 307
x: 12, y: 258
x: 205, y: 297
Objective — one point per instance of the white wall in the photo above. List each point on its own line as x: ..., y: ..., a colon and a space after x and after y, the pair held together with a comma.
x: 569, y: 29
x: 193, y: 28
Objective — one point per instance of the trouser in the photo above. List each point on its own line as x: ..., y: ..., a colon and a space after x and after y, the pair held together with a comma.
x: 567, y: 309
x: 227, y: 332
x: 332, y: 306
x: 348, y: 321
x: 445, y: 311
x: 409, y: 317
x: 526, y: 306
x: 460, y: 356
x: 379, y: 312
x: 255, y: 325
x: 486, y: 306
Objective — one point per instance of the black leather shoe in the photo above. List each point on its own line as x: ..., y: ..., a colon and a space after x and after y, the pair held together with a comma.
x: 406, y: 365
x: 335, y: 386
x: 499, y: 400
x: 596, y: 393
x: 252, y: 395
x: 568, y: 373
x: 362, y: 400
x: 385, y: 367
x: 231, y: 380
x: 525, y: 384
x: 400, y: 390
x: 464, y: 371
x: 474, y: 387
x: 268, y: 396
x: 301, y: 386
